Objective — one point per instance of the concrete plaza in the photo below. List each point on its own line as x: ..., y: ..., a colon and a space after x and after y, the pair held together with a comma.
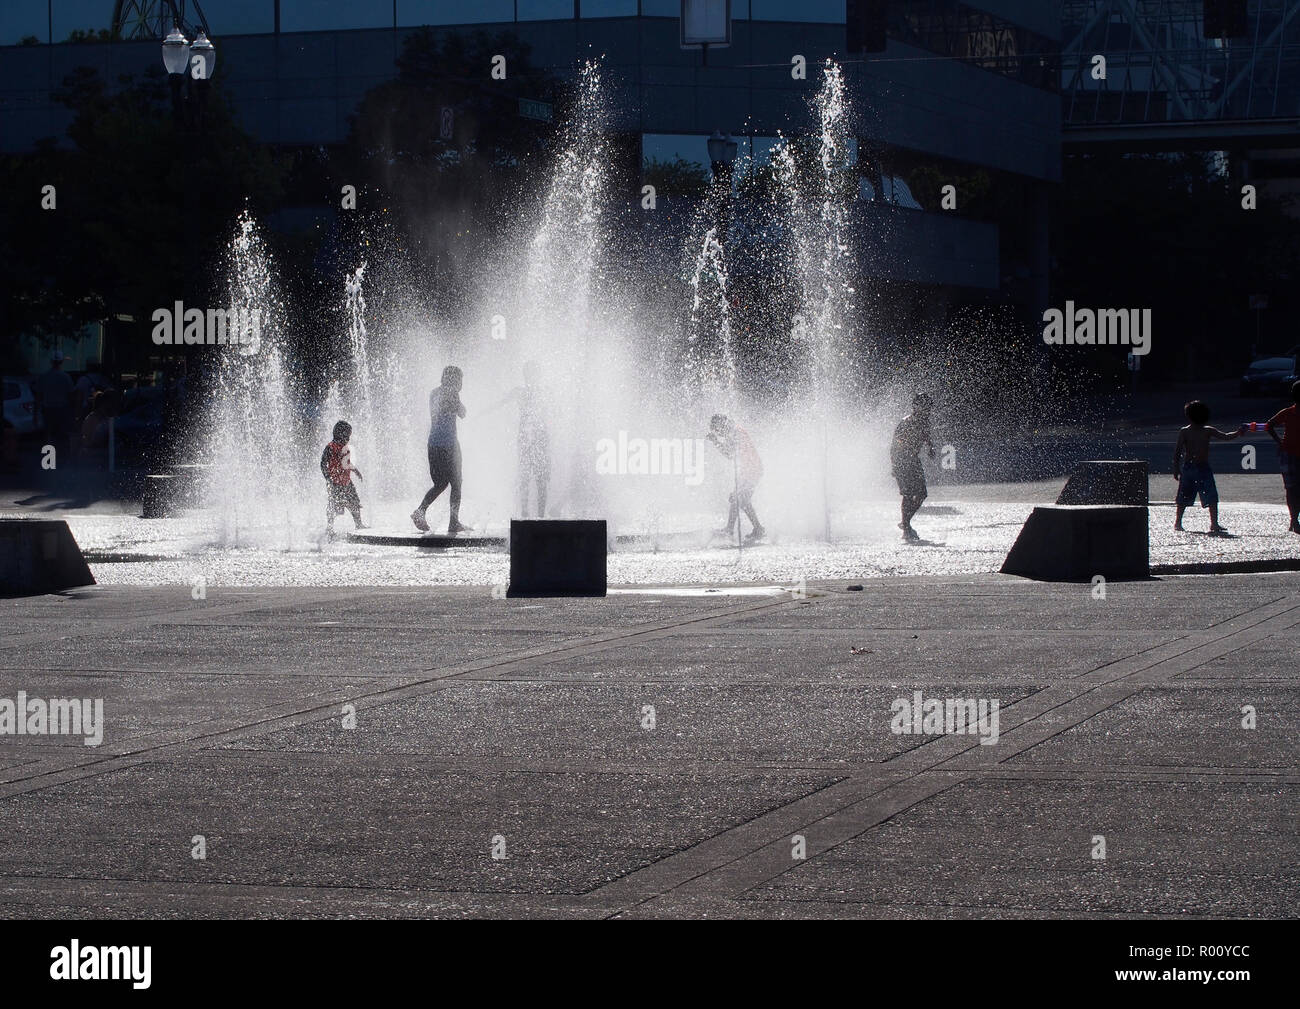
x: 522, y: 728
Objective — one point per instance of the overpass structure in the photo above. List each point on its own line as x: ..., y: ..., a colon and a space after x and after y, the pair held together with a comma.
x: 1169, y: 87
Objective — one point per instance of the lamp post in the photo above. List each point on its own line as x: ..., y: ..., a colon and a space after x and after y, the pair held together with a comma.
x: 191, y: 62
x: 722, y: 154
x: 189, y: 68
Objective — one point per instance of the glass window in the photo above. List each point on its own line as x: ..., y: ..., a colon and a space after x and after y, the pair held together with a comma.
x: 673, y: 9
x: 20, y: 19
x: 545, y: 10
x: 225, y: 17
x: 983, y: 40
x: 608, y: 8
x: 328, y: 15
x: 456, y: 12
x: 820, y: 11
x: 691, y: 148
x: 671, y: 146
x: 762, y: 148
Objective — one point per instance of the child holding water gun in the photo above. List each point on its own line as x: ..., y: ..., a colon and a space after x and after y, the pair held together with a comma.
x: 1192, y: 463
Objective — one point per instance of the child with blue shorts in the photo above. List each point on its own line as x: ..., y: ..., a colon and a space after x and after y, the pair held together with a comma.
x: 1192, y: 464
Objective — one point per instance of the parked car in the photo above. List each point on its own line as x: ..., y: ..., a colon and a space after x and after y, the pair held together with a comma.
x: 1270, y: 376
x: 20, y: 405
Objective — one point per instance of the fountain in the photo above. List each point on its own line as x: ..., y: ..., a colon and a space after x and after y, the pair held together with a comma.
x: 608, y: 380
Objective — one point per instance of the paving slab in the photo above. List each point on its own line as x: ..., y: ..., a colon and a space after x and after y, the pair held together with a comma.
x: 477, y: 716
x: 325, y: 649
x: 741, y: 651
x: 1004, y: 844
x: 723, y: 723
x: 302, y: 824
x: 1184, y: 726
x: 138, y: 704
x: 1274, y: 658
x: 918, y: 604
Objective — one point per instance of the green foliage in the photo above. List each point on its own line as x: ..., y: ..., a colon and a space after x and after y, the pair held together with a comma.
x: 456, y: 194
x: 90, y: 35
x: 974, y: 198
x: 144, y: 205
x: 675, y: 178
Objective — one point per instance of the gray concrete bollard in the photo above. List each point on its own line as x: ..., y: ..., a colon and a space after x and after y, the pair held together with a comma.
x: 39, y: 556
x: 1065, y: 543
x: 157, y: 496
x: 1106, y: 482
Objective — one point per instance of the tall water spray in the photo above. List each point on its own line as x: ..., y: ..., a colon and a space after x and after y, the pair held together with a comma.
x: 818, y: 205
x: 561, y: 320
x: 711, y: 356
x: 550, y: 296
x: 253, y: 410
x: 829, y: 272
x: 360, y: 399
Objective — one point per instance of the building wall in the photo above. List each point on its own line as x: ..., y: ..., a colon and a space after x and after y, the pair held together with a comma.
x: 300, y: 87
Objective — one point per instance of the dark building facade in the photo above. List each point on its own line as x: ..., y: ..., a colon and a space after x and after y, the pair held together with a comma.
x: 964, y: 91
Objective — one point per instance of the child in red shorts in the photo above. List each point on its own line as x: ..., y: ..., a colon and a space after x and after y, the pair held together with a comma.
x: 336, y: 466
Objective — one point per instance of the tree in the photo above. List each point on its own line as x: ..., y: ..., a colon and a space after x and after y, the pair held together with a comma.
x: 458, y: 193
x: 143, y: 206
x: 675, y: 178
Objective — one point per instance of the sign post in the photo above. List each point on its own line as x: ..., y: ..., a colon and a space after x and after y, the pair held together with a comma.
x: 530, y: 108
x: 705, y: 23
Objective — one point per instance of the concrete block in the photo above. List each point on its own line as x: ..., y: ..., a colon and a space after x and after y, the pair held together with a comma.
x: 1063, y: 543
x: 158, y: 495
x: 1106, y: 482
x: 557, y: 557
x: 190, y: 484
x: 39, y: 556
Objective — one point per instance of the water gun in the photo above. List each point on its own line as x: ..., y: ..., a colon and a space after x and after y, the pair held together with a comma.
x: 1254, y: 426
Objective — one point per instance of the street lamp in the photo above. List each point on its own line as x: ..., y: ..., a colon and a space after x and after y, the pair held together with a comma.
x: 722, y: 152
x: 189, y: 68
x: 176, y: 51
x: 206, y: 52
x: 193, y: 60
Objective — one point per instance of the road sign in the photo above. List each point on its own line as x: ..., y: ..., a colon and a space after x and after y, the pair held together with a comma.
x: 531, y: 109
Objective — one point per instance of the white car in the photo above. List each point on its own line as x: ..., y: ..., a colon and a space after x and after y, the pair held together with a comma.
x: 20, y: 404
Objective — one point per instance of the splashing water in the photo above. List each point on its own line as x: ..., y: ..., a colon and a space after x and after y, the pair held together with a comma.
x: 253, y: 420
x: 604, y: 383
x: 360, y: 401
x: 711, y: 358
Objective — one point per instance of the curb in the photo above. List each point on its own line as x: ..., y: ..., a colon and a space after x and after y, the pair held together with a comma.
x: 1262, y: 566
